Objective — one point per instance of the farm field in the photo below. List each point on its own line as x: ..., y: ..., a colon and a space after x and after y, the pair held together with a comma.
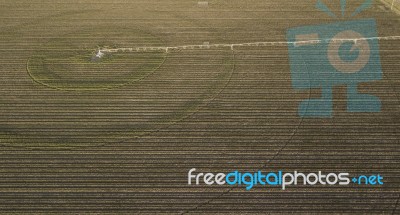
x: 119, y: 134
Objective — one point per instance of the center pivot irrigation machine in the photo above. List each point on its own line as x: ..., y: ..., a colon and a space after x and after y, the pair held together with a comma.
x: 103, y: 51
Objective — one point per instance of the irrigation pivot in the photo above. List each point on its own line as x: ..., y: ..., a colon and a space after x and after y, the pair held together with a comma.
x: 102, y: 51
